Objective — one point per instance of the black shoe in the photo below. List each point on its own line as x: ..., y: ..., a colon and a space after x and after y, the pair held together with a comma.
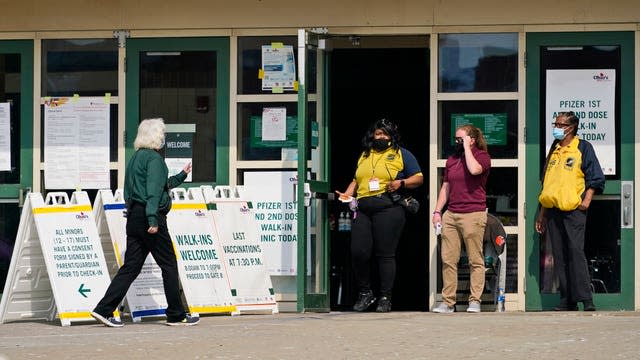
x: 187, y: 321
x: 109, y: 321
x: 566, y: 307
x: 365, y: 299
x: 588, y: 305
x: 384, y: 304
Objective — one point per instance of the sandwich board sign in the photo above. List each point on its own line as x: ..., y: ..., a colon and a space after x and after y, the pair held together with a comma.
x: 202, y: 272
x: 69, y: 258
x: 145, y: 296
x: 242, y: 252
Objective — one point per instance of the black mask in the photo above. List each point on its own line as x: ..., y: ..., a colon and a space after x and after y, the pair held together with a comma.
x: 459, y: 147
x: 380, y: 144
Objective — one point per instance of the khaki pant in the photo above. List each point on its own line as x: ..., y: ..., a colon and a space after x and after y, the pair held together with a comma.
x: 456, y: 229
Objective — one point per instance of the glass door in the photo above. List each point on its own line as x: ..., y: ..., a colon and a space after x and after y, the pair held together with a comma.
x: 591, y: 74
x: 313, y: 190
x: 185, y: 81
x: 16, y: 141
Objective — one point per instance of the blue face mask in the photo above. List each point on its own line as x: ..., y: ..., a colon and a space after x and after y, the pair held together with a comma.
x: 558, y: 133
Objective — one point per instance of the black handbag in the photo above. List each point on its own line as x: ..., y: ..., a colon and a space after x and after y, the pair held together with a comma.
x: 409, y: 203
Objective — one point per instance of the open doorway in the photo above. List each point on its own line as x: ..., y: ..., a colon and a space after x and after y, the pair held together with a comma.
x: 373, y: 78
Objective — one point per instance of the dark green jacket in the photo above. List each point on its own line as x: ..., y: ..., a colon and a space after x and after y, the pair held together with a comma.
x: 146, y: 182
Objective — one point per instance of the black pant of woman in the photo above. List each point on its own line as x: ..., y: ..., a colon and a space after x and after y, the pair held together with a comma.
x: 139, y: 244
x: 376, y: 230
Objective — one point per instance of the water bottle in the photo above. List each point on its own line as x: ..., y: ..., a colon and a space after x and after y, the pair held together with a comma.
x: 500, y: 300
x: 342, y: 222
x: 347, y: 222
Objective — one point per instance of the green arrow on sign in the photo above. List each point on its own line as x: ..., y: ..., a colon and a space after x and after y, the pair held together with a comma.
x: 82, y: 290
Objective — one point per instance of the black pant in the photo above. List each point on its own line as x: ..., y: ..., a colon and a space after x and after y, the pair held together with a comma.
x: 139, y: 244
x: 376, y: 229
x: 565, y: 230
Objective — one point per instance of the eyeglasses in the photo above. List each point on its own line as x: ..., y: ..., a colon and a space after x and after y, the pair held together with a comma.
x: 560, y: 125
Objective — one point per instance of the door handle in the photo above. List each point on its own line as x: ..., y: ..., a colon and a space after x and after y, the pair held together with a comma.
x: 626, y: 203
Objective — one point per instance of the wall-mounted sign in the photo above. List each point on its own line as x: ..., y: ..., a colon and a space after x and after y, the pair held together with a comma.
x: 179, y: 147
x: 493, y: 126
x: 591, y: 95
x: 76, y: 143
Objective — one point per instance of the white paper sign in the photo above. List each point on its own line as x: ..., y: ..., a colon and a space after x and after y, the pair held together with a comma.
x: 76, y: 143
x: 271, y: 193
x: 278, y: 66
x: 5, y: 137
x: 274, y: 124
x: 591, y: 95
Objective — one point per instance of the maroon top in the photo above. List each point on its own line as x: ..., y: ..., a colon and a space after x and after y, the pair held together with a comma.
x: 467, y: 193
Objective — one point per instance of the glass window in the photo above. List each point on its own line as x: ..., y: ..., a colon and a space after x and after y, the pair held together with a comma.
x: 502, y: 195
x: 250, y: 62
x: 9, y: 222
x: 10, y: 79
x: 180, y: 87
x: 498, y: 120
x: 583, y: 57
x: 478, y: 62
x: 250, y: 143
x: 601, y: 248
x: 113, y: 133
x: 87, y: 67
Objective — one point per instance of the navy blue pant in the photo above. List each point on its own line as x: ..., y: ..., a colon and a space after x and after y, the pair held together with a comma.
x: 139, y: 244
x: 565, y: 230
x: 376, y: 230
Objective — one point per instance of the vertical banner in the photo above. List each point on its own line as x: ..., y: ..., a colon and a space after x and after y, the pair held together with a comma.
x: 198, y: 249
x: 73, y: 254
x: 271, y: 193
x: 242, y: 250
x: 591, y: 95
x: 5, y: 136
x: 145, y: 296
x: 179, y: 147
x: 76, y: 143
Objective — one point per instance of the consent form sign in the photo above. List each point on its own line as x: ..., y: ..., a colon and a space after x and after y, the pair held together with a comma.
x: 198, y: 251
x: 591, y: 95
x: 242, y: 250
x: 145, y: 296
x: 73, y: 254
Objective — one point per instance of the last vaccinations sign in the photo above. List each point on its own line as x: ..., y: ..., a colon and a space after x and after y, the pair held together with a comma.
x: 591, y: 95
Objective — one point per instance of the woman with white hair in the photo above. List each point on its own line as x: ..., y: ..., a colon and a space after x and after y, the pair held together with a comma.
x: 146, y: 193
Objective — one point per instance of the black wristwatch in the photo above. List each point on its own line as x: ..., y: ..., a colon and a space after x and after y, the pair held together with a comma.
x: 401, y: 184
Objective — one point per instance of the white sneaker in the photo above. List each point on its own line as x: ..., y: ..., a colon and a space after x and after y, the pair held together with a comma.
x: 443, y: 308
x: 474, y: 307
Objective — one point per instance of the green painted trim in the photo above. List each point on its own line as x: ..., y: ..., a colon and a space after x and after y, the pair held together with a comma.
x: 301, y: 284
x: 25, y: 49
x: 534, y: 299
x: 221, y: 47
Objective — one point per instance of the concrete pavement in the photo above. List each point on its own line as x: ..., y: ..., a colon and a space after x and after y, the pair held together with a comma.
x: 339, y: 335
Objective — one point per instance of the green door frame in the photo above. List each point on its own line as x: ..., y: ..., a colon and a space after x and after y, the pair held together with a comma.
x: 25, y: 49
x: 221, y: 47
x: 316, y: 301
x: 534, y: 299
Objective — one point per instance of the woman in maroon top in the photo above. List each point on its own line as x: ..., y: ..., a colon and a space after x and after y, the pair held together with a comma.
x: 464, y: 190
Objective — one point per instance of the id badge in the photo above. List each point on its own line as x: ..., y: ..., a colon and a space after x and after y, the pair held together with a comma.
x: 374, y: 184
